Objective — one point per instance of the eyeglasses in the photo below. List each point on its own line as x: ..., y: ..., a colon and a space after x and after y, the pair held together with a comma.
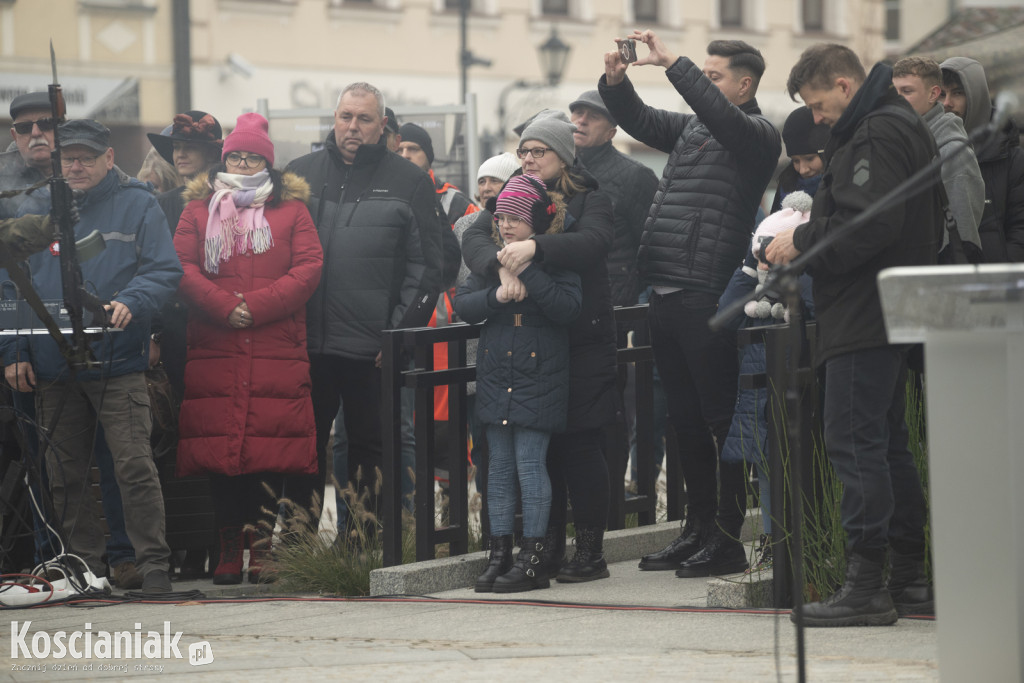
x: 251, y: 161
x: 537, y: 152
x: 25, y: 127
x: 86, y: 161
x: 511, y: 221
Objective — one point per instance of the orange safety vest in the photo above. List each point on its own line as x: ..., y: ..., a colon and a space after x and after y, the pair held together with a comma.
x: 444, y: 308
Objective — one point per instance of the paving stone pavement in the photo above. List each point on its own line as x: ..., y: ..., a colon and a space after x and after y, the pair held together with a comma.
x: 460, y: 635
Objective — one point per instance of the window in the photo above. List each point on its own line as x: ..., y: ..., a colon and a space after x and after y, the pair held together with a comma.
x: 645, y: 10
x: 892, y: 19
x: 730, y: 12
x: 813, y: 15
x: 556, y: 7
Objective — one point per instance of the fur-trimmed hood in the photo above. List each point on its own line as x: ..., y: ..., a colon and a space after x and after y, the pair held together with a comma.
x: 294, y: 187
x: 557, y: 223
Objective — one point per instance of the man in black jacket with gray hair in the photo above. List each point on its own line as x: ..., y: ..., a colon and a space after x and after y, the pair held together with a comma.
x: 381, y: 235
x: 721, y: 159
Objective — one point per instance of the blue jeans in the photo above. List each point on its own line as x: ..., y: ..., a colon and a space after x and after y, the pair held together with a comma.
x: 866, y: 436
x: 521, y: 450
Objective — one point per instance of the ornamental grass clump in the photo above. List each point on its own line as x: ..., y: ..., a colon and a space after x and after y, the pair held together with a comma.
x: 306, y: 560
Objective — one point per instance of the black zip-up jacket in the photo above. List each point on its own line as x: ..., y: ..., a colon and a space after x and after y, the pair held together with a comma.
x: 869, y: 153
x: 631, y: 187
x: 381, y: 236
x: 721, y: 159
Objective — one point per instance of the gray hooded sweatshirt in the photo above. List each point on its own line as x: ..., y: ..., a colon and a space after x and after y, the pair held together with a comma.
x: 961, y: 175
x: 1001, y: 160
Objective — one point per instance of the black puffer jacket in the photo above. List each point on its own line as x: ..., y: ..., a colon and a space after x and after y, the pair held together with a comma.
x: 583, y: 248
x: 868, y: 155
x: 381, y: 238
x: 721, y: 159
x: 631, y: 187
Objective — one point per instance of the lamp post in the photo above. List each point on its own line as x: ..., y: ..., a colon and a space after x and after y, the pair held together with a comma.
x: 553, y: 55
x: 466, y: 56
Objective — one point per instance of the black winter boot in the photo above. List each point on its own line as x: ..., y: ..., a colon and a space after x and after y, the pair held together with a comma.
x: 908, y: 585
x: 722, y: 554
x: 587, y: 563
x: 693, y: 537
x: 554, y: 549
x: 498, y: 563
x: 528, y: 571
x: 862, y: 600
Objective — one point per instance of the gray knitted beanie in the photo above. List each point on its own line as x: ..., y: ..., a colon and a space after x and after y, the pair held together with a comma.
x: 554, y: 133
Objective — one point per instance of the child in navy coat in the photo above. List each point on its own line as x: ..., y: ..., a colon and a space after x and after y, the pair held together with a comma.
x: 522, y: 388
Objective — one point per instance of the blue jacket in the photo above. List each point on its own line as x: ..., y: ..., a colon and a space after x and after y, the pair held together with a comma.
x: 522, y: 372
x: 138, y: 267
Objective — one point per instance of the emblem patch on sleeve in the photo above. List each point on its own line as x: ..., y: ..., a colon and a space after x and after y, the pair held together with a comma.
x: 861, y: 172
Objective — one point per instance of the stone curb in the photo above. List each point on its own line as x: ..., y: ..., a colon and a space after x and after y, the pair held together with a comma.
x: 450, y: 573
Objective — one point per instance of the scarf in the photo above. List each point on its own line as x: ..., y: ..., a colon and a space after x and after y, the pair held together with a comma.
x: 236, y: 222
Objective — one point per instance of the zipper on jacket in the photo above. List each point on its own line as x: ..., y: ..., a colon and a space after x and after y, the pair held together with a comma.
x: 327, y: 272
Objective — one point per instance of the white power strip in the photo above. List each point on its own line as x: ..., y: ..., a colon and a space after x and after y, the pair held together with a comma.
x: 14, y: 595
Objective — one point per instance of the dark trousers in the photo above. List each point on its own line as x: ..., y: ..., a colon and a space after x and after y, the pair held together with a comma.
x: 866, y: 437
x: 576, y: 464
x: 355, y: 384
x: 245, y: 499
x: 699, y: 370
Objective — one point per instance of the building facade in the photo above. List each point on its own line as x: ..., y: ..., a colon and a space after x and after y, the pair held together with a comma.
x: 116, y: 57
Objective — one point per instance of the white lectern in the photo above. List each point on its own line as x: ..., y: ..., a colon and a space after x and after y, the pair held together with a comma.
x: 971, y: 320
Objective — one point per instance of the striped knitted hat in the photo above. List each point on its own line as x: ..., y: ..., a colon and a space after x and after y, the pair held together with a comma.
x: 518, y: 197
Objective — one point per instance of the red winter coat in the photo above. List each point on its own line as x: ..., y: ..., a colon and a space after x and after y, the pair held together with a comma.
x: 247, y: 404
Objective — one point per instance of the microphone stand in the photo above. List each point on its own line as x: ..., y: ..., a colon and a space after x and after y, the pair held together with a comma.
x: 783, y: 281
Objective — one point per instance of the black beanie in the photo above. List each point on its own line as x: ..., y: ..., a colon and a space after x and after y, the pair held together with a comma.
x: 802, y: 136
x: 410, y: 132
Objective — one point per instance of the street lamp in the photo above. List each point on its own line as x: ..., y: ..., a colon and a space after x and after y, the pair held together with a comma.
x: 553, y: 55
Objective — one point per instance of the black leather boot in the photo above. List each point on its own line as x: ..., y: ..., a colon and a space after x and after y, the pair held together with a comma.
x: 554, y: 549
x: 588, y: 562
x: 721, y: 555
x: 693, y: 536
x: 528, y: 571
x: 908, y: 585
x: 862, y: 600
x: 498, y: 563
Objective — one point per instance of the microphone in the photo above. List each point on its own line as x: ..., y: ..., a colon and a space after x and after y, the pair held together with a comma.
x: 1005, y: 105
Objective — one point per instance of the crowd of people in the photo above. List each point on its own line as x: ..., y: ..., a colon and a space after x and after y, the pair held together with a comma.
x: 264, y: 294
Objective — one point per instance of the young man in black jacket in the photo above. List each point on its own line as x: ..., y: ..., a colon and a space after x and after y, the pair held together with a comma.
x: 877, y: 142
x: 721, y: 159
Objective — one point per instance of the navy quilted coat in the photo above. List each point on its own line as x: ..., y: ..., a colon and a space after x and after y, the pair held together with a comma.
x: 522, y: 373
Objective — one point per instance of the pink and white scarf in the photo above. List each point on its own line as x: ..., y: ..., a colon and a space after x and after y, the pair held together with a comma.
x: 236, y: 222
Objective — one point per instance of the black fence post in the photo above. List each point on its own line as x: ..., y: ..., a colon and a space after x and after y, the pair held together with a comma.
x: 391, y: 410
